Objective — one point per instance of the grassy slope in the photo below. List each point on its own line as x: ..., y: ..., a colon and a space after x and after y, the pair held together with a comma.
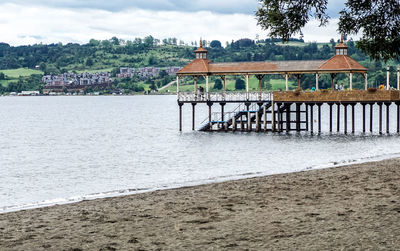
x: 23, y: 72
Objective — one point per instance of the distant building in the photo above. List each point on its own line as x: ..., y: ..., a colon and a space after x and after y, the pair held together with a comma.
x: 74, y: 81
x: 146, y: 72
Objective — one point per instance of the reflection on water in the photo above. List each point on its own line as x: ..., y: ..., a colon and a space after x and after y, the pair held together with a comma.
x: 58, y: 148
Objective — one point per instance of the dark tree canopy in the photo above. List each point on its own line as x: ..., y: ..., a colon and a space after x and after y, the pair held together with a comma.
x: 377, y: 21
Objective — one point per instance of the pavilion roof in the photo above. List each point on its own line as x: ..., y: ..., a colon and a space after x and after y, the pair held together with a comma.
x: 336, y: 64
x: 339, y: 63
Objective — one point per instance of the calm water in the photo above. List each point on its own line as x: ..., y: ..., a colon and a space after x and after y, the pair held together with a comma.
x: 61, y: 149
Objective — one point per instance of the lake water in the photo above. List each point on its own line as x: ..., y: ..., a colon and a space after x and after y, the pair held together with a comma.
x: 64, y: 149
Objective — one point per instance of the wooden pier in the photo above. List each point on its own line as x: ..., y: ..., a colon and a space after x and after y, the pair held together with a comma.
x: 285, y: 111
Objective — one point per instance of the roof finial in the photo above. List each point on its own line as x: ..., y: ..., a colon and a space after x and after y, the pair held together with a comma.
x: 201, y: 43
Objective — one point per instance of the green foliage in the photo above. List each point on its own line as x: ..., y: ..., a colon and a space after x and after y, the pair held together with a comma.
x: 240, y: 84
x: 286, y: 18
x: 377, y: 21
x: 218, y: 84
x: 2, y: 76
x: 215, y: 44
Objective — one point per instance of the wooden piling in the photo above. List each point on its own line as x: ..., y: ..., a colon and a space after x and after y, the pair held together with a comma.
x: 180, y: 116
x: 338, y: 117
x: 353, y: 122
x: 345, y: 118
x: 306, y: 117
x: 298, y: 106
x: 398, y: 116
x: 330, y: 116
x: 193, y: 116
x: 363, y: 117
x: 371, y: 116
x: 319, y: 117
x: 312, y: 117
x: 287, y: 117
x: 380, y: 117
x: 387, y: 117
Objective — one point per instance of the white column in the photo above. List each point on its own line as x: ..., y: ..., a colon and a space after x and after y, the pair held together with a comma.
x: 208, y: 95
x: 387, y: 79
x: 316, y: 81
x: 287, y: 82
x: 366, y: 81
x: 195, y: 85
x: 398, y: 79
x: 247, y: 86
x: 351, y: 80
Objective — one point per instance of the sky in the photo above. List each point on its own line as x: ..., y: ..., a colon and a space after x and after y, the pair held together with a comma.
x: 25, y: 22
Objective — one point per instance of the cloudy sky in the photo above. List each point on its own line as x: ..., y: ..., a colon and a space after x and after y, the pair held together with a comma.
x: 52, y: 21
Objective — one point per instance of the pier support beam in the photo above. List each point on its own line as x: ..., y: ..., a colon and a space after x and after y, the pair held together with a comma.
x: 371, y: 115
x: 265, y: 118
x: 353, y: 122
x: 363, y: 117
x: 345, y: 118
x: 319, y: 118
x: 278, y: 114
x: 258, y: 117
x: 398, y: 116
x: 298, y: 106
x: 273, y: 125
x: 193, y: 116
x: 312, y: 117
x: 288, y: 117
x: 222, y: 112
x: 387, y: 116
x: 306, y: 117
x: 330, y: 116
x: 338, y: 117
x: 180, y: 116
x: 380, y: 117
x: 209, y: 114
x: 248, y: 117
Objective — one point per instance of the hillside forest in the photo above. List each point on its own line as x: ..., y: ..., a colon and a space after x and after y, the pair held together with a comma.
x: 22, y: 67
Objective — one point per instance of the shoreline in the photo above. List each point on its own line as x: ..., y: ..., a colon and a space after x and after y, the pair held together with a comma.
x: 341, y: 207
x: 133, y: 191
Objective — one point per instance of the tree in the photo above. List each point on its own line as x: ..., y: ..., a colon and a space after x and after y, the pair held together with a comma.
x: 89, y: 62
x: 215, y: 44
x: 377, y: 22
x: 240, y: 84
x: 2, y: 76
x: 218, y: 84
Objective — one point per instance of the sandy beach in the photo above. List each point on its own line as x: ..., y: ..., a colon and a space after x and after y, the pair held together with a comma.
x: 350, y: 207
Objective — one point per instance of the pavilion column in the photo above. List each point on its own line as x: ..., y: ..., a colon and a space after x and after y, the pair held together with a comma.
x: 287, y: 82
x: 398, y: 78
x: 207, y: 93
x: 316, y: 81
x: 387, y: 77
x: 224, y: 83
x: 351, y: 80
x: 366, y: 81
x: 247, y: 87
x: 195, y: 87
x: 333, y: 75
x: 259, y: 77
x: 298, y: 81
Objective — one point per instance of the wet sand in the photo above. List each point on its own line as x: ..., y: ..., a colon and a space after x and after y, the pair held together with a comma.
x: 350, y: 207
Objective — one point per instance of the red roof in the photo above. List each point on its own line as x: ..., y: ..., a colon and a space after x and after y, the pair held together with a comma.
x: 198, y: 65
x: 341, y: 62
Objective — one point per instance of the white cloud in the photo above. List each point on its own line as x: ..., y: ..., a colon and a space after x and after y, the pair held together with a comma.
x: 35, y: 24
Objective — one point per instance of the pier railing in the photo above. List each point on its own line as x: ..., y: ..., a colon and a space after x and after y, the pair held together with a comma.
x: 225, y: 96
